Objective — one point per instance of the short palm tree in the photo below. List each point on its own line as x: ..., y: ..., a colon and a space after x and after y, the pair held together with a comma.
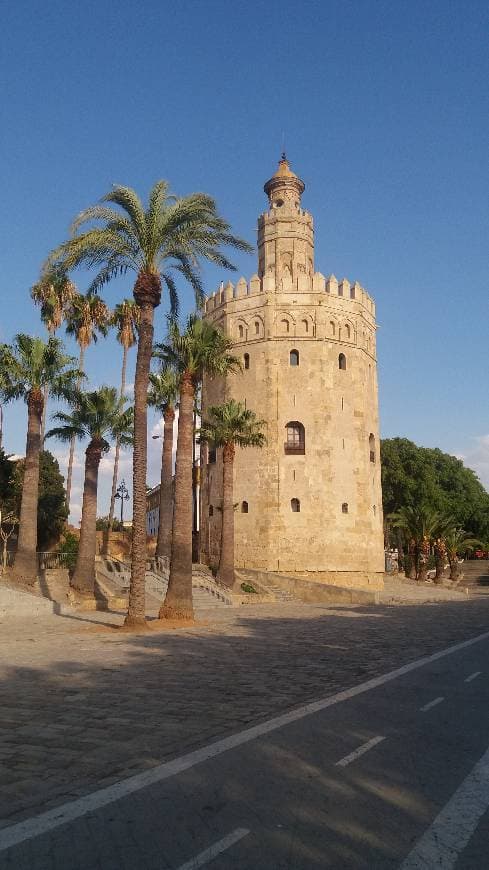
x: 169, y: 234
x: 163, y: 395
x: 200, y: 348
x: 457, y: 541
x: 422, y: 526
x: 125, y: 318
x: 86, y: 317
x: 229, y: 425
x: 26, y: 368
x: 53, y: 292
x: 98, y: 415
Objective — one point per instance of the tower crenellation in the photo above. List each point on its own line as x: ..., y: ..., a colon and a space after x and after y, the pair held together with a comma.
x: 307, y: 344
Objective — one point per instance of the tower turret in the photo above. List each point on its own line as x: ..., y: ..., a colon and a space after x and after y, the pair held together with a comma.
x: 286, y: 234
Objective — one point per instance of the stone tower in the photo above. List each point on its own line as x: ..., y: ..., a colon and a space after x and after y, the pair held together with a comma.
x: 310, y: 502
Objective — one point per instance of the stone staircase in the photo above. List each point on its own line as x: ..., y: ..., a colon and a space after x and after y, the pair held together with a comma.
x: 474, y: 575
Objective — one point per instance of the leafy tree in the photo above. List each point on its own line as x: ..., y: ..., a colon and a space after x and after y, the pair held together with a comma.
x: 163, y: 395
x: 25, y: 368
x: 457, y: 541
x: 51, y: 505
x: 125, y: 318
x: 103, y: 524
x: 229, y: 425
x: 7, y: 469
x: 69, y: 548
x: 86, y: 317
x: 422, y: 526
x: 200, y: 348
x: 96, y: 415
x: 169, y: 235
x: 414, y: 476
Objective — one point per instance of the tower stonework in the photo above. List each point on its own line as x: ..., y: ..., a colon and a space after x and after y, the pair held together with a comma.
x: 309, y: 503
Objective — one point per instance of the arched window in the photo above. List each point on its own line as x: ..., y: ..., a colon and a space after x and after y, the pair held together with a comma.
x: 240, y: 331
x: 305, y: 325
x: 294, y: 357
x: 246, y: 360
x: 348, y: 331
x: 296, y: 438
x: 244, y: 507
x: 257, y: 327
x: 295, y: 505
x: 342, y: 362
x: 332, y: 327
x: 285, y: 325
x: 211, y: 511
x: 352, y: 292
x: 344, y: 507
x: 371, y: 447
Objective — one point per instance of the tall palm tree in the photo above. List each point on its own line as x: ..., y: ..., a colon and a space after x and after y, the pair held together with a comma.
x: 200, y: 348
x: 163, y: 395
x: 25, y: 369
x: 52, y: 293
x: 86, y: 317
x: 125, y: 318
x: 170, y: 234
x: 230, y: 425
x: 98, y: 415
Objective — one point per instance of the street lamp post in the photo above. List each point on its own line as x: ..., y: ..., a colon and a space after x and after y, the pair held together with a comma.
x: 122, y: 492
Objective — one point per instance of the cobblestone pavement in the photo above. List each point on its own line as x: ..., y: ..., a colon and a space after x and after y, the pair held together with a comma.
x: 83, y: 705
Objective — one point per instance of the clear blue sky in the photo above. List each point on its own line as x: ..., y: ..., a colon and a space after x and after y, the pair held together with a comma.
x: 385, y: 111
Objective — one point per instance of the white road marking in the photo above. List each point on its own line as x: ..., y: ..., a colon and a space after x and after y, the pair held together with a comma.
x: 358, y: 752
x: 68, y: 812
x: 215, y: 850
x: 431, y: 704
x: 447, y: 837
x: 472, y: 676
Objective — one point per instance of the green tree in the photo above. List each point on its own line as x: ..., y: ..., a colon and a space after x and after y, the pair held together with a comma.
x: 200, y: 348
x: 86, y: 317
x: 421, y: 526
x: 7, y: 468
x: 25, y: 368
x: 95, y: 415
x: 413, y: 475
x: 163, y: 395
x: 51, y: 503
x: 169, y: 235
x: 125, y: 318
x: 457, y: 541
x: 53, y: 292
x: 230, y: 425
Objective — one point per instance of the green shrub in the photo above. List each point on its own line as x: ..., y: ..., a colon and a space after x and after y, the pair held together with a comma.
x: 247, y: 587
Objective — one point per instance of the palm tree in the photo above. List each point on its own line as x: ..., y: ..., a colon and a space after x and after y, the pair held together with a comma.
x: 26, y: 368
x: 457, y: 541
x: 125, y: 318
x: 229, y: 425
x: 163, y: 394
x: 170, y: 234
x: 85, y: 317
x: 201, y: 348
x: 422, y: 526
x: 52, y: 293
x: 97, y: 415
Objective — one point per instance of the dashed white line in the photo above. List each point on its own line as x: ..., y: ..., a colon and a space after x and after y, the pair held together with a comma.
x: 431, y: 704
x: 215, y: 850
x: 358, y: 752
x: 453, y: 827
x: 472, y: 676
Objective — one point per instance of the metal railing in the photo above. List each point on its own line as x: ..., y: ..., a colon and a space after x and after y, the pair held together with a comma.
x: 53, y: 560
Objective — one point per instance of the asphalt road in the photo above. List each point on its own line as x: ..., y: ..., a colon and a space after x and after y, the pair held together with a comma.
x: 390, y: 774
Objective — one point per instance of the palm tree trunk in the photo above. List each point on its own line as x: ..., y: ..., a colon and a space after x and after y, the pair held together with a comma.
x: 178, y: 600
x: 147, y: 292
x: 69, y: 475
x: 83, y: 579
x: 43, y: 422
x: 163, y: 544
x: 454, y: 569
x: 116, y: 459
x: 226, y: 562
x: 26, y: 559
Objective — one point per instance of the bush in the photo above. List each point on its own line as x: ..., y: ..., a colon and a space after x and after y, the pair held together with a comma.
x: 247, y: 587
x: 69, y: 546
